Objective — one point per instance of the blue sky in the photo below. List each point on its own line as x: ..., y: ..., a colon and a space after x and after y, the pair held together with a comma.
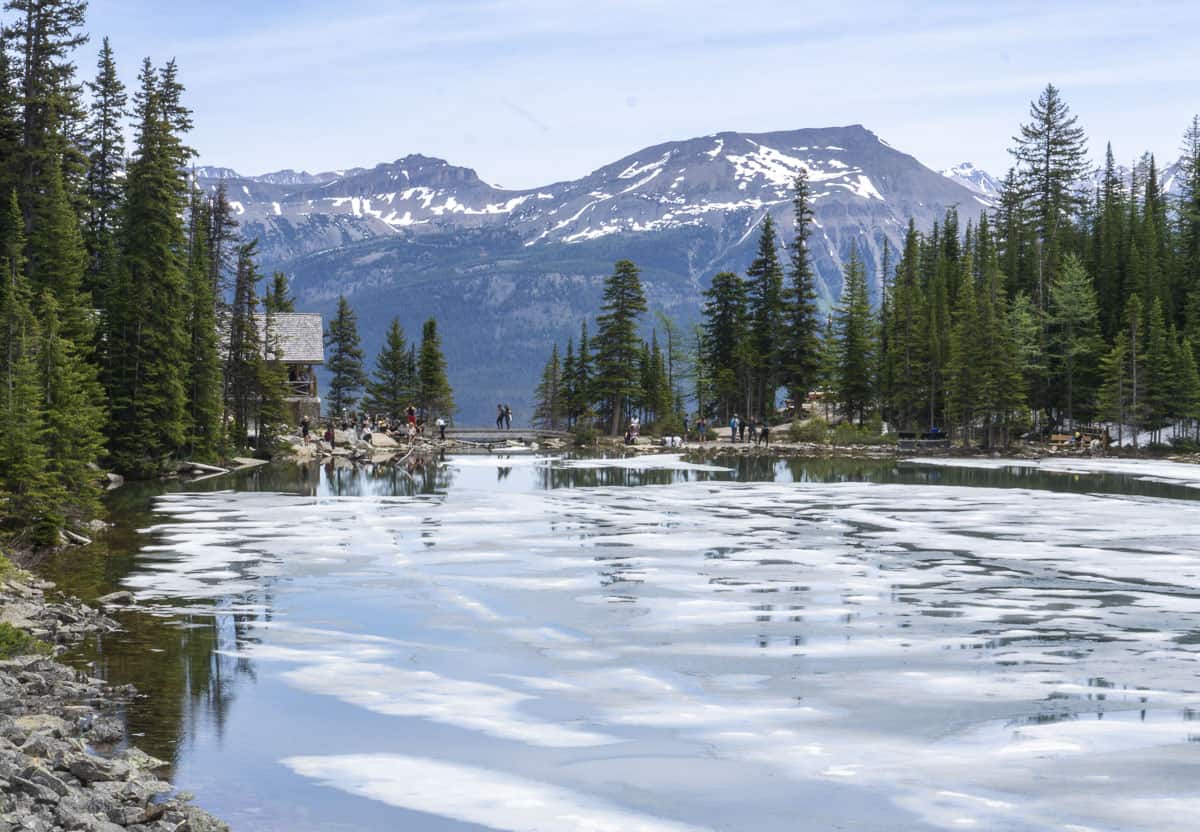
x: 532, y: 91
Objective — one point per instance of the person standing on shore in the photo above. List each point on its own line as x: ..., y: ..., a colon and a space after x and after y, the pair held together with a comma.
x: 733, y: 427
x: 499, y: 417
x: 304, y: 430
x: 441, y: 426
x: 507, y: 417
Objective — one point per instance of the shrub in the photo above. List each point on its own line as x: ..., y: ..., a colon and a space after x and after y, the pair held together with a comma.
x: 14, y: 642
x: 815, y: 429
x: 585, y: 433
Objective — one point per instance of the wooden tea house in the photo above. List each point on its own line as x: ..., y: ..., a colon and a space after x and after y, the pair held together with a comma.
x: 300, y: 347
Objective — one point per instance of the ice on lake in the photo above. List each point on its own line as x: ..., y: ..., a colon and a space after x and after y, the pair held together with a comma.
x: 715, y: 654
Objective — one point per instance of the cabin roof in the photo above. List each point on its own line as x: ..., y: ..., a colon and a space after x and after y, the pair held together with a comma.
x: 299, y: 336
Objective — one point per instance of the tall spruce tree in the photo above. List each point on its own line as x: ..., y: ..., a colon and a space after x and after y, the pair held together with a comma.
x: 766, y: 319
x: 549, y: 409
x: 617, y: 344
x: 346, y: 359
x: 247, y: 349
x: 149, y: 305
x: 1075, y: 337
x: 434, y: 395
x: 45, y: 33
x: 801, y: 340
x: 856, y: 347
x: 725, y: 342
x: 204, y: 377
x: 74, y: 418
x: 105, y: 144
x: 392, y: 386
x: 1051, y: 153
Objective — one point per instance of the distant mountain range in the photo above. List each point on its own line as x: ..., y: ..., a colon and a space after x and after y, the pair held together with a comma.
x: 508, y: 272
x: 976, y: 179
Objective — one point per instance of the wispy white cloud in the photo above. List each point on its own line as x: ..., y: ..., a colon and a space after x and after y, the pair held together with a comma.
x: 310, y: 84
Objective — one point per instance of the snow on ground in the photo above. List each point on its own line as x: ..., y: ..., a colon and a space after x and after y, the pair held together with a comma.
x: 955, y: 657
x: 1181, y: 473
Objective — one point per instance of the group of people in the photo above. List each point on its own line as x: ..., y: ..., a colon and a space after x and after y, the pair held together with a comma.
x: 740, y: 430
x: 759, y: 430
x: 503, y: 417
x: 364, y: 426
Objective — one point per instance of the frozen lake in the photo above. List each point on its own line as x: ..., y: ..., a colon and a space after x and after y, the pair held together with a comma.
x: 534, y: 644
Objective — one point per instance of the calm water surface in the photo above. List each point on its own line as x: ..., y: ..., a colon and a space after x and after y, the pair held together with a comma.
x: 533, y: 644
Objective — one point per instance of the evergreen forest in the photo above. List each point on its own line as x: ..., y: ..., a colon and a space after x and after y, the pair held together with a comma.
x: 1074, y: 303
x: 135, y: 326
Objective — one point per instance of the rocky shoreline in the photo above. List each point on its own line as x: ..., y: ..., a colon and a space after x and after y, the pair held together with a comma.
x: 64, y: 761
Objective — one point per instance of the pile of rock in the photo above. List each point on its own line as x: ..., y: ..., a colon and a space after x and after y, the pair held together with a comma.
x: 24, y: 604
x: 61, y: 761
x: 49, y: 776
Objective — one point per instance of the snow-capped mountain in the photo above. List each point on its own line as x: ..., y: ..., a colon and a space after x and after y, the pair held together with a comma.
x: 507, y: 272
x: 976, y: 179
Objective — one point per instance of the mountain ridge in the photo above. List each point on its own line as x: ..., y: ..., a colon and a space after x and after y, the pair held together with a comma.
x: 508, y: 271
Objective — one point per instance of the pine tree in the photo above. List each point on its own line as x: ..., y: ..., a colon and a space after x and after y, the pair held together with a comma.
x: 1051, y: 151
x: 392, y: 387
x: 1189, y: 218
x: 766, y: 318
x: 45, y: 33
x: 57, y: 258
x: 1115, y: 387
x: 569, y: 394
x: 964, y: 380
x: 1135, y: 358
x: 278, y: 297
x: 10, y: 131
x: 34, y: 500
x: 801, y: 342
x: 548, y: 409
x: 148, y: 307
x: 908, y: 347
x: 1157, y: 379
x: 74, y: 420
x: 1108, y: 236
x: 204, y: 377
x: 434, y: 395
x: 1074, y: 336
x: 1189, y: 386
x: 30, y: 498
x: 1001, y: 385
x: 675, y: 357
x: 617, y: 344
x: 856, y: 349
x: 725, y: 328
x: 247, y: 351
x: 583, y: 385
x: 345, y: 361
x: 105, y: 142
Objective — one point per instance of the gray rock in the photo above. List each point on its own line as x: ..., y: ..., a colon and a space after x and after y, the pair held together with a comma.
x: 37, y: 791
x: 43, y: 777
x: 118, y: 598
x: 199, y: 820
x: 106, y: 730
x: 90, y: 769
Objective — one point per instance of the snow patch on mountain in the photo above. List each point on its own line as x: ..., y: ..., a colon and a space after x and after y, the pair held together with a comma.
x: 976, y: 179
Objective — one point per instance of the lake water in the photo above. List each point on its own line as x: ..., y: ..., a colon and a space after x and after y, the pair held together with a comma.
x: 532, y: 644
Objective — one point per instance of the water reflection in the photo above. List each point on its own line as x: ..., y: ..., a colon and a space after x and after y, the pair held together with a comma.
x: 842, y: 596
